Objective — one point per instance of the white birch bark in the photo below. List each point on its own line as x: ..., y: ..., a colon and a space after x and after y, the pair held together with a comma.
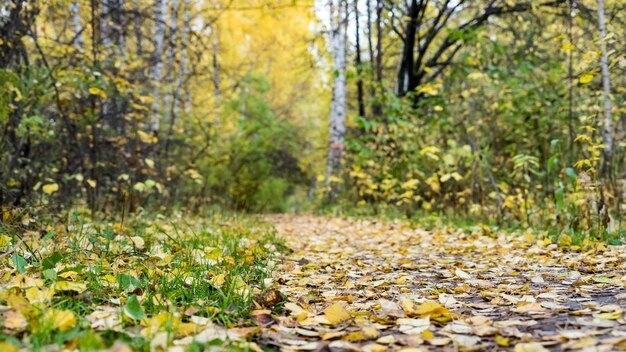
x: 157, y: 58
x: 77, y: 26
x: 121, y: 24
x: 337, y: 123
x: 183, y: 69
x: 138, y: 34
x: 105, y: 24
x: 171, y: 55
x: 607, y: 135
x: 216, y: 75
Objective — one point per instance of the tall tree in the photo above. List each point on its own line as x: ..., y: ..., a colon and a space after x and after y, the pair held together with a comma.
x: 157, y: 61
x: 337, y: 125
x: 607, y: 135
x: 183, y: 68
x: 216, y: 74
x: 138, y: 33
x: 168, y: 99
x: 77, y: 26
x: 357, y: 62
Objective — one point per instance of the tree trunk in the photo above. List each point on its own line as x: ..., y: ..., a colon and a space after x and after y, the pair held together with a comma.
x: 607, y: 135
x: 77, y: 26
x: 167, y: 99
x: 216, y: 75
x: 377, y: 108
x: 370, y: 50
x: 406, y: 71
x: 138, y: 33
x: 359, y: 68
x: 183, y: 69
x: 337, y: 125
x: 157, y: 61
x: 570, y: 77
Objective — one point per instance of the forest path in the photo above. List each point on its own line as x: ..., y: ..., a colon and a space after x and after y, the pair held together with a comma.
x: 378, y: 286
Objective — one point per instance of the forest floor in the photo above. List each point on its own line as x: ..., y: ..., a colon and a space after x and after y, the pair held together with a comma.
x: 376, y: 286
x: 306, y: 283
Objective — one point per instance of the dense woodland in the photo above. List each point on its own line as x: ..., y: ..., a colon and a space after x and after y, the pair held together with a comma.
x: 510, y: 111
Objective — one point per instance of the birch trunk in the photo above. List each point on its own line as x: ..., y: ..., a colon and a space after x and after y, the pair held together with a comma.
x: 183, y: 69
x: 216, y: 75
x: 167, y: 99
x: 337, y: 124
x: 359, y: 68
x: 138, y: 34
x: 157, y: 72
x: 607, y: 135
x: 77, y: 26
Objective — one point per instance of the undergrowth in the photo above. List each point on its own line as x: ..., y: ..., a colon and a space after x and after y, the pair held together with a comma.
x: 88, y: 285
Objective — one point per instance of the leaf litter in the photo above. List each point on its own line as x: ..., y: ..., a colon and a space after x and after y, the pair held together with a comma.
x: 364, y: 285
x: 345, y: 285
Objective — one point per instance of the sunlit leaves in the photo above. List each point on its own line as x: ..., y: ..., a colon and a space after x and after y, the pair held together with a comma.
x: 336, y: 314
x: 98, y: 91
x: 586, y: 78
x: 50, y: 188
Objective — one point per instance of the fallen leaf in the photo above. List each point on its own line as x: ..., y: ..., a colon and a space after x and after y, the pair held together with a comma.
x: 530, y: 347
x: 336, y: 314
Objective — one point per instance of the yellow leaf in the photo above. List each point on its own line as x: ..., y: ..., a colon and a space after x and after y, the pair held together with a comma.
x: 529, y: 347
x: 218, y: 280
x: 370, y: 332
x: 336, y: 314
x: 97, y: 91
x: 586, y: 78
x: 355, y: 336
x: 296, y: 311
x: 5, y: 346
x: 567, y: 46
x: 60, y: 319
x: 428, y: 307
x: 34, y: 294
x: 50, y: 188
x: 92, y: 183
x: 611, y: 315
x: 565, y: 240
x: 70, y: 286
x: 502, y: 341
x: 529, y: 238
x: 147, y: 138
x: 408, y: 307
x: 428, y: 334
x: 434, y: 310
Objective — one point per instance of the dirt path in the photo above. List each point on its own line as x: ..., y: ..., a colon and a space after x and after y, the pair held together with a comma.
x: 363, y: 285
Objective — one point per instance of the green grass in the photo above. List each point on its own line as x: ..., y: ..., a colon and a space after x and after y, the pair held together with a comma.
x: 209, y: 268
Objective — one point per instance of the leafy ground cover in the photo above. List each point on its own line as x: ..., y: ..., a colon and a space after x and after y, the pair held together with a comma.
x: 378, y: 286
x: 343, y: 285
x: 143, y: 285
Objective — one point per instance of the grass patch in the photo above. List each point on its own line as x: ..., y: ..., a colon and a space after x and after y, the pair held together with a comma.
x: 90, y: 285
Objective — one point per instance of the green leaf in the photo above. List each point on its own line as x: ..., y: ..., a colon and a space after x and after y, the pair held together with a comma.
x: 127, y: 282
x: 51, y: 261
x: 20, y: 263
x: 133, y: 308
x: 560, y: 202
x: 572, y: 176
x: 553, y: 162
x: 50, y: 274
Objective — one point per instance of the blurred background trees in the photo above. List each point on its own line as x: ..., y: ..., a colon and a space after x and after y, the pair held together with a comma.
x: 504, y: 110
